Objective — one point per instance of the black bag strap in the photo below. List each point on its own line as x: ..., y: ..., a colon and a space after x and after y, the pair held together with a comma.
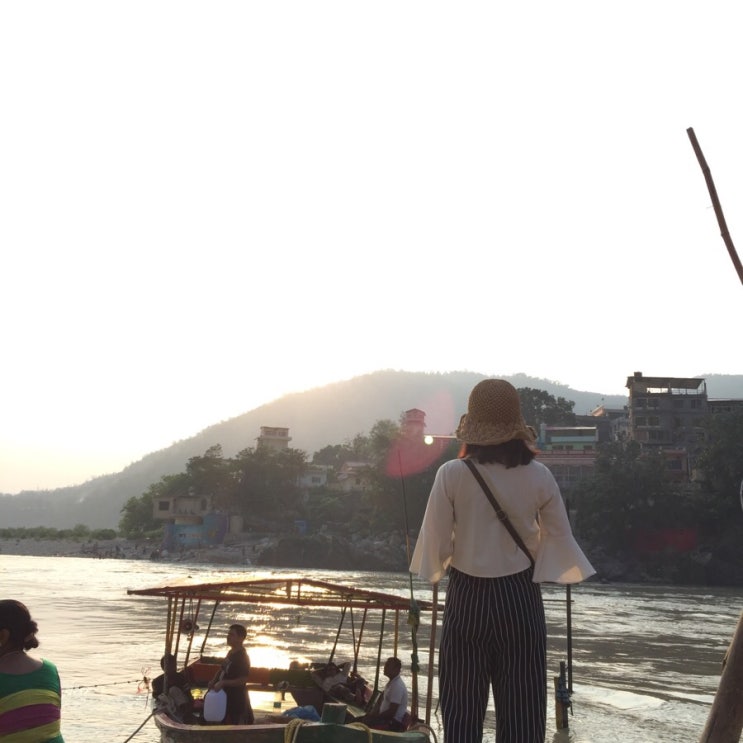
x: 499, y: 512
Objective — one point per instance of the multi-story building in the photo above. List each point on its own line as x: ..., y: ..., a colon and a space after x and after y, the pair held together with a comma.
x: 273, y: 437
x: 666, y: 413
x: 568, y: 451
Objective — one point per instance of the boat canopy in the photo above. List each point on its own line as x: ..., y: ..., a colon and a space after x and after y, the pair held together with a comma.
x: 289, y: 591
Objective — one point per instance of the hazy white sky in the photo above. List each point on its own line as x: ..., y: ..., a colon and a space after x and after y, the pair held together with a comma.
x: 206, y: 205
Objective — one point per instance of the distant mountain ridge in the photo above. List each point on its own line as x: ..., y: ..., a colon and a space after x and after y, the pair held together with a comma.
x: 323, y: 416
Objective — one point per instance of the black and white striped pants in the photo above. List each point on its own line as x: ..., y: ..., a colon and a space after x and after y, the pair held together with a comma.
x: 493, y: 635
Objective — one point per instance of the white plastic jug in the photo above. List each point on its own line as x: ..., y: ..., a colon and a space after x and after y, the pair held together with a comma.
x: 215, y: 705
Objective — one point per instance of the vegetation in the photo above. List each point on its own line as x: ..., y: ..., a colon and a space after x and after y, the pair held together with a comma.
x: 80, y: 532
x: 630, y: 496
x: 261, y: 484
x: 538, y: 407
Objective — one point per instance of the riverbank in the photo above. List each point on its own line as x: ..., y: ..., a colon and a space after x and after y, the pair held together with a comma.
x: 128, y: 549
x: 319, y: 551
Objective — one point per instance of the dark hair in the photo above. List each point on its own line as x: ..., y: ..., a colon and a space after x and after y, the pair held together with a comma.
x: 167, y: 658
x: 510, y: 453
x: 240, y: 631
x: 16, y: 618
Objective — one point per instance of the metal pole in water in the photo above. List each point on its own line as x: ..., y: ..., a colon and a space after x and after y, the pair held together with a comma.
x: 562, y: 699
x: 569, y: 614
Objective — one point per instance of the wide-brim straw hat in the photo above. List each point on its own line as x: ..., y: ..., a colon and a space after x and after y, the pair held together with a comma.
x: 493, y: 415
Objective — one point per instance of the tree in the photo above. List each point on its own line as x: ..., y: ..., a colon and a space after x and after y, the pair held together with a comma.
x: 212, y: 475
x: 267, y: 481
x: 333, y: 456
x: 720, y: 466
x: 720, y: 472
x: 137, y: 516
x: 538, y: 406
x: 628, y: 493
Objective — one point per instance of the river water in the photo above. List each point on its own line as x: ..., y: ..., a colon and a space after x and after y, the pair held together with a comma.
x: 646, y: 659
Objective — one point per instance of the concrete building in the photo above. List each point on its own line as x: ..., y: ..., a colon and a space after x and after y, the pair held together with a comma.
x: 273, y: 437
x: 666, y: 414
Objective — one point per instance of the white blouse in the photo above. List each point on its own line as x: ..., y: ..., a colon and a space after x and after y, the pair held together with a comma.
x: 460, y: 527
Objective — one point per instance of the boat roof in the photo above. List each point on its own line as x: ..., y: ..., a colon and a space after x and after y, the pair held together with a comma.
x: 288, y: 591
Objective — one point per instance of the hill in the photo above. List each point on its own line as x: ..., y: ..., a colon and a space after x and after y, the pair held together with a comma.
x: 316, y: 418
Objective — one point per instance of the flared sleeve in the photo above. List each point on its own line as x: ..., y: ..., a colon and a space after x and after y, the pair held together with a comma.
x: 433, y: 550
x: 559, y: 558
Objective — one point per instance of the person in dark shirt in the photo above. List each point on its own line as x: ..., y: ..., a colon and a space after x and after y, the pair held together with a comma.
x: 176, y: 685
x: 233, y: 676
x: 172, y: 675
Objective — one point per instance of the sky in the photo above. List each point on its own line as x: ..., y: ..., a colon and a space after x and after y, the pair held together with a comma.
x: 207, y: 205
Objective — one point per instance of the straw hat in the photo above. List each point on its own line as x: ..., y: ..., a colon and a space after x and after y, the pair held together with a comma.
x: 493, y: 415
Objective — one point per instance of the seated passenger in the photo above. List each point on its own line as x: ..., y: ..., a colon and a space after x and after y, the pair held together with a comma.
x: 391, y: 707
x: 174, y: 677
x: 177, y: 688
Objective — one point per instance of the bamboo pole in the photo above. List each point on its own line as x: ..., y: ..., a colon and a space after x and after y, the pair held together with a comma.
x: 725, y: 720
x: 716, y: 204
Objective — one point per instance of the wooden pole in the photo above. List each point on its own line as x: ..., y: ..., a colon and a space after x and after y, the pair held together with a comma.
x: 725, y: 720
x: 716, y: 204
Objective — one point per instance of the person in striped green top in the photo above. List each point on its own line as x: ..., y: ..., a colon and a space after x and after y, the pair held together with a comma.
x: 30, y: 693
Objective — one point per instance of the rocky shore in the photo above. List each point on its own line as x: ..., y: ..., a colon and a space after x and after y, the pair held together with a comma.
x: 319, y: 551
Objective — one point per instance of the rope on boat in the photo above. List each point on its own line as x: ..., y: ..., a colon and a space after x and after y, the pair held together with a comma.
x: 140, y: 727
x: 423, y: 728
x: 291, y: 731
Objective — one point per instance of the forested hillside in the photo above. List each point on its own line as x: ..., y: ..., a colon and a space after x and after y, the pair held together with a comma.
x: 316, y: 418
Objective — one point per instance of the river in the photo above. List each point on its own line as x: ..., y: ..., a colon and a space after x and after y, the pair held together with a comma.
x: 646, y: 659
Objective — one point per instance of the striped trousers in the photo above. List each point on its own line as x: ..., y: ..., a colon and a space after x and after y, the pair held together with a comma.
x: 494, y: 635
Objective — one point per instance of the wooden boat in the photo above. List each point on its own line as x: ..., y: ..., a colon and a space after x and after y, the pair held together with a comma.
x: 336, y: 690
x: 306, y: 732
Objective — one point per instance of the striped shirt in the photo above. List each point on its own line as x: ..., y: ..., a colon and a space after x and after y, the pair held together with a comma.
x: 30, y: 705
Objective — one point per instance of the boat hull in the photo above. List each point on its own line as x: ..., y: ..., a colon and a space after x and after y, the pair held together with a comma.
x: 310, y: 732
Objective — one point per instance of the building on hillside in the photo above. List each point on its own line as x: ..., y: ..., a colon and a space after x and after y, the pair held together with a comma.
x: 617, y: 420
x: 274, y: 438
x: 667, y: 411
x: 666, y: 414
x: 413, y: 424
x: 315, y: 476
x: 568, y: 451
x: 568, y: 466
x: 190, y: 521
x: 568, y: 438
x: 724, y: 406
x: 353, y: 477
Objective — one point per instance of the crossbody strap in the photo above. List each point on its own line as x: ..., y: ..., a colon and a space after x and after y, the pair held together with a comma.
x: 499, y: 512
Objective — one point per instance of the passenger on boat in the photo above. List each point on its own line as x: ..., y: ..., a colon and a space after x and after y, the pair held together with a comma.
x: 174, y: 677
x: 233, y: 676
x: 178, y: 687
x: 30, y: 693
x: 391, y: 709
x: 494, y: 631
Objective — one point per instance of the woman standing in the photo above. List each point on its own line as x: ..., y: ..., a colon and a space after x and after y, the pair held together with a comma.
x: 30, y: 694
x: 494, y: 631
